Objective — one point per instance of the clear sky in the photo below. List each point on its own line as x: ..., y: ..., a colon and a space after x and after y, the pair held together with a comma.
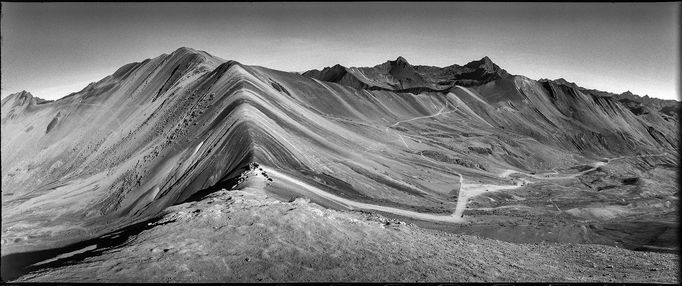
x: 52, y: 49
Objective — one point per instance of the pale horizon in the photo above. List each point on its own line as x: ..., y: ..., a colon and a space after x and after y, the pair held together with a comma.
x: 54, y: 49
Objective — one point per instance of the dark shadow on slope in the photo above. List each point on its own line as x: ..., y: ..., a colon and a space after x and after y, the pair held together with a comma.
x: 412, y: 90
x: 229, y: 180
x: 226, y: 183
x: 16, y: 265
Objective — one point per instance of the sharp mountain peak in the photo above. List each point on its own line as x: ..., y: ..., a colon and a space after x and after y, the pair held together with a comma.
x: 401, y: 59
x: 484, y: 63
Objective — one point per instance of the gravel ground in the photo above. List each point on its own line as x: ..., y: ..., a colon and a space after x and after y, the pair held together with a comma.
x: 246, y: 236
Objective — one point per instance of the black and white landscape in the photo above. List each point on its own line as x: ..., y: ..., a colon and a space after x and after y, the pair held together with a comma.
x: 187, y: 167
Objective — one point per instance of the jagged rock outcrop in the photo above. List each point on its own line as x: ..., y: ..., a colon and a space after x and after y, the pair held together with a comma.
x: 400, y: 75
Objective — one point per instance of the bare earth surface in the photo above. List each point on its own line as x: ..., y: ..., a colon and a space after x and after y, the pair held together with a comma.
x: 244, y: 236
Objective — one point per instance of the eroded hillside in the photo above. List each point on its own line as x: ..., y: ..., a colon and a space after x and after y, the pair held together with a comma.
x: 423, y: 144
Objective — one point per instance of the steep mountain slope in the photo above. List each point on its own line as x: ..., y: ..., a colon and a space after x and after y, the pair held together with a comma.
x: 405, y: 141
x: 155, y: 132
x: 94, y: 145
x: 473, y: 73
x: 590, y: 122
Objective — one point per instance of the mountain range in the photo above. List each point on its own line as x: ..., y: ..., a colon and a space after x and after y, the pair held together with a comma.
x: 407, y: 141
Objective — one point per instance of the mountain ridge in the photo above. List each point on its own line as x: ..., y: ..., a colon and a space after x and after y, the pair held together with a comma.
x: 159, y: 131
x: 337, y: 72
